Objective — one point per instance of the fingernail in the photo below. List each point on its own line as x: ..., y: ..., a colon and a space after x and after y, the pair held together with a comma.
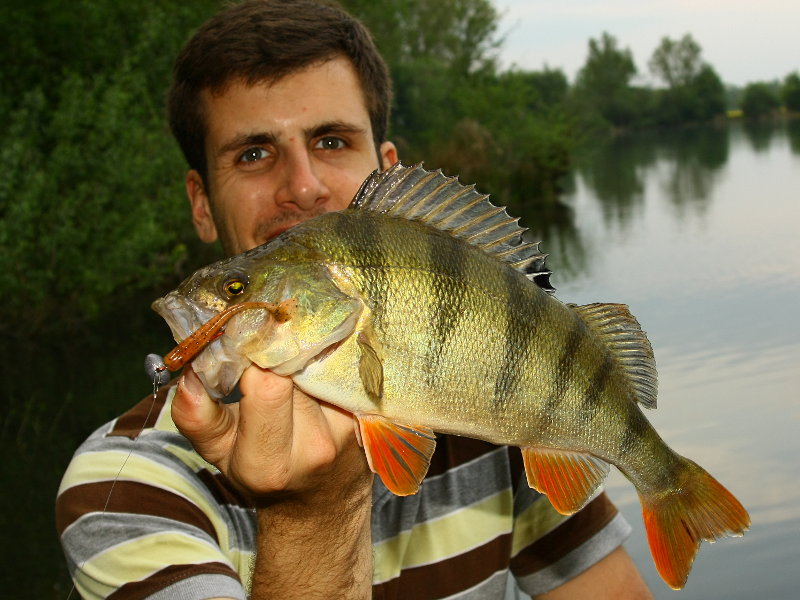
x: 191, y: 382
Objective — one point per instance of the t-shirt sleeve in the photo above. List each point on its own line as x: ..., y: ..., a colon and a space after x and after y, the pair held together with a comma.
x: 549, y: 549
x: 137, y: 520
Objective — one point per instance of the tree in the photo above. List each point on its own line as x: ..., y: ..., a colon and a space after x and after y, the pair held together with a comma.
x: 459, y: 35
x: 694, y: 90
x: 605, y: 78
x: 707, y: 94
x: 790, y: 93
x: 759, y: 100
x: 505, y: 131
x: 91, y: 206
x: 677, y: 62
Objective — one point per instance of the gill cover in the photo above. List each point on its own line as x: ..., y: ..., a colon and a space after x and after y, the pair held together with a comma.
x: 322, y: 316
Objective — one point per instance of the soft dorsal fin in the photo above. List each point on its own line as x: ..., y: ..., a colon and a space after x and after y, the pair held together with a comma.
x: 442, y: 202
x: 623, y: 335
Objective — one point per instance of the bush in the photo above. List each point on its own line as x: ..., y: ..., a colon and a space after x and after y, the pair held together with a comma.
x: 790, y: 93
x: 91, y: 203
x: 759, y: 100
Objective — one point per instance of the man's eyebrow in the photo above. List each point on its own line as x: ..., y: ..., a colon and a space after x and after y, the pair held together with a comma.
x: 333, y: 127
x: 247, y: 139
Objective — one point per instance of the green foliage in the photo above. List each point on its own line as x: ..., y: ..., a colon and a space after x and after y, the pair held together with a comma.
x: 603, y: 82
x: 790, y: 93
x: 694, y: 90
x: 709, y: 94
x: 91, y: 203
x: 457, y: 35
x: 508, y: 132
x: 677, y: 63
x: 759, y: 100
x: 701, y: 99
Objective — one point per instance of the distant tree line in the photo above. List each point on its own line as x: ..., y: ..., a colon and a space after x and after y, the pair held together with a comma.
x: 92, y: 206
x: 691, y: 89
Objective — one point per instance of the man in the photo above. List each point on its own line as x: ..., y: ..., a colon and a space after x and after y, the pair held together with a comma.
x: 281, y: 110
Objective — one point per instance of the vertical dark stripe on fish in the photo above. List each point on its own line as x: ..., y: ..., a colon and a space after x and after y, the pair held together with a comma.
x: 597, y: 385
x: 448, y: 298
x: 636, y: 428
x: 563, y: 377
x: 362, y: 239
x: 518, y: 335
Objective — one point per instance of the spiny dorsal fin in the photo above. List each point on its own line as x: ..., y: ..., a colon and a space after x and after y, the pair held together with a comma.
x: 623, y: 335
x: 442, y: 202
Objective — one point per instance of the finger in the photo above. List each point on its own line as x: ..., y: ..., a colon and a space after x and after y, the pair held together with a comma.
x: 325, y: 437
x: 205, y: 422
x: 262, y: 458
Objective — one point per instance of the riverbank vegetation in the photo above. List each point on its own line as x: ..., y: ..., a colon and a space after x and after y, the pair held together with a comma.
x: 91, y: 199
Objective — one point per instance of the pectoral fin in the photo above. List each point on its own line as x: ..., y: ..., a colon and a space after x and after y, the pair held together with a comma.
x: 370, y: 366
x: 399, y: 454
x: 568, y: 479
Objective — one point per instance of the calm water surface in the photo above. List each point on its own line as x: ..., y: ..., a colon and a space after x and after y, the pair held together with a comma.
x: 698, y: 233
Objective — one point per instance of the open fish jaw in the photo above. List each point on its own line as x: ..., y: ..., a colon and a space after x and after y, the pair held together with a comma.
x: 220, y: 365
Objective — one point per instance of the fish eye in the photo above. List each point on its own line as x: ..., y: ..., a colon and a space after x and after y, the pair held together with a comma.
x: 234, y: 285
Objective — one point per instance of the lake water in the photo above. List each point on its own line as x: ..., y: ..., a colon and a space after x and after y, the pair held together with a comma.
x: 698, y: 231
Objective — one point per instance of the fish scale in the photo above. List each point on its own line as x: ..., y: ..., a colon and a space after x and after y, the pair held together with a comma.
x: 420, y: 308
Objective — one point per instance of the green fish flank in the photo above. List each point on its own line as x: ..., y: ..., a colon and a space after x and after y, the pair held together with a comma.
x: 422, y: 309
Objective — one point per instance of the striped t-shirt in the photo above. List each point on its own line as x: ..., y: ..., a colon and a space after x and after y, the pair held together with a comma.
x: 141, y: 515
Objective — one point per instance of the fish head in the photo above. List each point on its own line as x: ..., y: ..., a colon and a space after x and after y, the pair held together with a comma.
x: 299, y: 312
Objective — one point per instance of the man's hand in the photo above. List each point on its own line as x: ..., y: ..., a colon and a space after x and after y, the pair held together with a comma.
x: 276, y: 441
x: 297, y: 460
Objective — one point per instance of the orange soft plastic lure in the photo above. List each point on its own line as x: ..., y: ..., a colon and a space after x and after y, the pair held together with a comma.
x: 192, y: 345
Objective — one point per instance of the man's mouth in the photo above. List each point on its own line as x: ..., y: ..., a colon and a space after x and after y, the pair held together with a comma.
x: 280, y: 230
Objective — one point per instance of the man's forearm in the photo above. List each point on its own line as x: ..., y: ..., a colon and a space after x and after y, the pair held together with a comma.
x: 315, y: 551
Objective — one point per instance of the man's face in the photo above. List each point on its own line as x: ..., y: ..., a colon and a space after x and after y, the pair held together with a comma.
x: 280, y: 153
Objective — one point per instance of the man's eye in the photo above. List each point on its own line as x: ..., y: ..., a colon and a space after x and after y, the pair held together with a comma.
x: 253, y: 155
x: 331, y: 143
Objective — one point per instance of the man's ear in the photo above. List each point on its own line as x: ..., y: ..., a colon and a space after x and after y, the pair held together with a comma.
x: 388, y: 155
x: 201, y: 208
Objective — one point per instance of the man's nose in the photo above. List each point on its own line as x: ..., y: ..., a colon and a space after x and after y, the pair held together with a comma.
x: 302, y: 183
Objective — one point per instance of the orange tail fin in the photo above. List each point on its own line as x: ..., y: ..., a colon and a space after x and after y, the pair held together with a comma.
x: 676, y: 522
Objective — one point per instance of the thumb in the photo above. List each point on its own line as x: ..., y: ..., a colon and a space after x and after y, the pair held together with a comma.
x: 196, y: 415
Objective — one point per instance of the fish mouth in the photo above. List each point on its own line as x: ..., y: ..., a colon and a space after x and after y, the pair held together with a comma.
x: 219, y: 366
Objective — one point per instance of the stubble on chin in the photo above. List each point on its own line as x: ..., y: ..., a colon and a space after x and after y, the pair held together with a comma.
x: 266, y: 230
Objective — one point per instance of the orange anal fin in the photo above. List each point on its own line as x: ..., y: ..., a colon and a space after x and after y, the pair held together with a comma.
x: 676, y: 522
x: 399, y: 454
x: 568, y: 479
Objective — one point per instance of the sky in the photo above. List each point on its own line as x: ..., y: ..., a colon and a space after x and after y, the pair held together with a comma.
x: 744, y: 41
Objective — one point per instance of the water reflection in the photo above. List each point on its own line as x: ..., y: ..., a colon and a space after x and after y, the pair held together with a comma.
x: 613, y: 170
x: 759, y: 134
x: 717, y: 295
x: 692, y: 160
x: 553, y: 224
x: 793, y: 133
x: 686, y: 161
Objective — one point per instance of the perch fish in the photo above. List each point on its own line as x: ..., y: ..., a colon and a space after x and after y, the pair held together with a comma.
x: 420, y: 309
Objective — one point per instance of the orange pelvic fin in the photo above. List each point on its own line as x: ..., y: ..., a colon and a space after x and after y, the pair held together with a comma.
x: 676, y: 522
x: 192, y: 345
x: 399, y: 454
x: 568, y: 479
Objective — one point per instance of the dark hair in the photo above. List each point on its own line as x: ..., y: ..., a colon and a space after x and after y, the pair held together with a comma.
x: 264, y: 40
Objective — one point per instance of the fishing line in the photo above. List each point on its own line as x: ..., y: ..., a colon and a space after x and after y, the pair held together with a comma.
x: 158, y: 380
